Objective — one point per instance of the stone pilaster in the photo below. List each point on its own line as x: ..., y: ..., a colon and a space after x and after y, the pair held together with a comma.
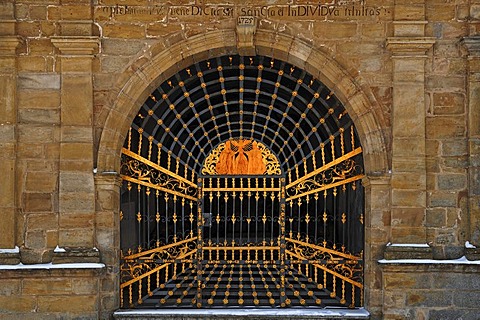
x: 76, y: 178
x: 377, y: 226
x: 8, y: 123
x: 408, y: 179
x: 473, y: 115
x: 107, y: 233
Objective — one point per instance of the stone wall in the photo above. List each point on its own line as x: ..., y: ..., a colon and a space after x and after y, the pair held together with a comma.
x: 73, y: 74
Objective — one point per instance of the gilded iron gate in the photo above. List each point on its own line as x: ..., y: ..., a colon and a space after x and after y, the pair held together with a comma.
x: 242, y: 187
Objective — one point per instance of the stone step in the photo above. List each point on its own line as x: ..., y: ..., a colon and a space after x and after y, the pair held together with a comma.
x: 244, y: 314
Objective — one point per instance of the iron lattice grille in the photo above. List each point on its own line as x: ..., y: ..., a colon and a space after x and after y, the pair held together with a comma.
x: 194, y: 238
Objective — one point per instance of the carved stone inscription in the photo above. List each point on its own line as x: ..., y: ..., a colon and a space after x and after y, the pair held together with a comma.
x: 352, y: 11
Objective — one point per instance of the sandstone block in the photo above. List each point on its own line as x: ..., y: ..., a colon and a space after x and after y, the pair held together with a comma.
x: 76, y: 28
x: 7, y: 11
x: 17, y: 304
x: 86, y: 286
x: 77, y: 100
x: 39, y: 81
x: 448, y: 103
x: 10, y: 287
x: 408, y: 216
x: 76, y: 220
x: 328, y: 30
x: 42, y: 222
x: 128, y: 31
x: 38, y: 12
x: 452, y: 181
x: 76, y: 182
x: 403, y: 280
x: 73, y: 304
x: 39, y: 116
x: 76, y: 238
x: 38, y: 202
x: 408, y: 198
x: 436, y: 217
x: 445, y: 127
x: 35, y: 239
x: 409, y: 235
x: 7, y: 231
x: 76, y: 202
x: 42, y: 99
x: 41, y: 182
x: 32, y: 64
x: 76, y: 151
x: 456, y: 147
x: 442, y: 199
x: 7, y: 99
x: 51, y: 286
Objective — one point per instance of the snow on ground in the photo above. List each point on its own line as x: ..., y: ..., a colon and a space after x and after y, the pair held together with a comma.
x: 15, y: 250
x: 462, y: 260
x: 22, y: 266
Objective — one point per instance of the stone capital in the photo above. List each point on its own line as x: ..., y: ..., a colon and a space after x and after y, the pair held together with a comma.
x: 472, y: 44
x: 109, y: 178
x: 409, y: 46
x: 9, y: 44
x: 76, y: 46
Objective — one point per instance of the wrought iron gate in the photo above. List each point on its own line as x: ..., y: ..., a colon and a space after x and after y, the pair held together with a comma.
x: 240, y: 226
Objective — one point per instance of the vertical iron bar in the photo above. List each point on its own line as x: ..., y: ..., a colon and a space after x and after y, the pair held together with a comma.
x: 183, y: 219
x: 225, y: 197
x: 174, y: 218
x: 210, y: 204
x: 166, y: 218
x: 199, y: 243
x: 241, y: 212
x: 325, y: 218
x: 316, y: 218
x: 146, y: 205
x: 282, y: 242
x: 218, y: 212
x: 139, y: 218
x: 334, y: 217
x: 272, y: 197
x: 157, y: 216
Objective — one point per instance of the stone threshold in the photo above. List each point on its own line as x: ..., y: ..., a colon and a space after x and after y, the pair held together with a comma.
x: 245, y: 313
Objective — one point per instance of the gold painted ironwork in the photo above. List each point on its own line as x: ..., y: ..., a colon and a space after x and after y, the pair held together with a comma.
x: 240, y: 157
x: 250, y: 230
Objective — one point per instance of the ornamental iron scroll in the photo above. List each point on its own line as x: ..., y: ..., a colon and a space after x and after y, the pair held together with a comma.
x: 241, y: 157
x: 138, y: 169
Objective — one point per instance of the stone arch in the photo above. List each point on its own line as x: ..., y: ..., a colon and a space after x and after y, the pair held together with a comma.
x: 133, y: 91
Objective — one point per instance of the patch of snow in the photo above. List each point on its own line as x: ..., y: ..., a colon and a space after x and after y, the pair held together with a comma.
x: 58, y: 249
x: 411, y: 245
x: 14, y: 250
x: 22, y: 266
x: 469, y: 245
x: 462, y: 260
x: 246, y: 311
x: 94, y: 170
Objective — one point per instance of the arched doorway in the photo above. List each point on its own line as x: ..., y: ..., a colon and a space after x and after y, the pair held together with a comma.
x: 203, y: 226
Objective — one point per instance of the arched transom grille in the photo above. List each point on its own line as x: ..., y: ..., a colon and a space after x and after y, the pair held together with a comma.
x: 234, y: 97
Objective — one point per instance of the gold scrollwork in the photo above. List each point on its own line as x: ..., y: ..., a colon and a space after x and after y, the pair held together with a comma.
x: 141, y: 171
x: 332, y: 176
x: 240, y: 149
